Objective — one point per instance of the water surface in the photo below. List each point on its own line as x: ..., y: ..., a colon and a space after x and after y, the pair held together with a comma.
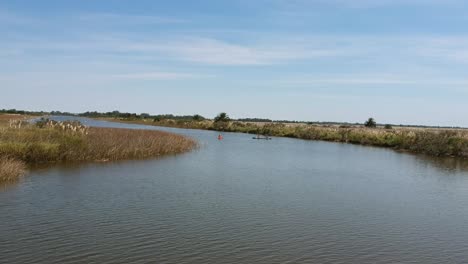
x: 241, y: 200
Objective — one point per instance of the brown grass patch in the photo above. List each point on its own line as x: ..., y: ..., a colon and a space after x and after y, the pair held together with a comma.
x: 5, y: 118
x: 33, y: 144
x: 11, y: 169
x: 118, y: 144
x: 41, y: 145
x: 430, y: 141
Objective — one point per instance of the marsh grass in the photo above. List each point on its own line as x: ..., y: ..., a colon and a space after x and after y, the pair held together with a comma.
x: 11, y: 169
x: 41, y: 145
x: 33, y: 145
x: 434, y: 142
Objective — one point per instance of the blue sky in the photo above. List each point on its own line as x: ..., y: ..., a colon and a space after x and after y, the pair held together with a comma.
x: 400, y: 61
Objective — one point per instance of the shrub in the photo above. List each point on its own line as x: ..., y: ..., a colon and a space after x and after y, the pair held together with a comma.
x: 222, y: 117
x: 370, y: 123
x: 198, y: 118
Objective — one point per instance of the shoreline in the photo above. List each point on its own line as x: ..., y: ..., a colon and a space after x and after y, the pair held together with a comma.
x: 52, y: 142
x: 436, y: 142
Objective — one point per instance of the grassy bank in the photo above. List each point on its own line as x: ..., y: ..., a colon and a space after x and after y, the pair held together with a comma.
x: 434, y: 142
x: 11, y: 169
x: 33, y: 144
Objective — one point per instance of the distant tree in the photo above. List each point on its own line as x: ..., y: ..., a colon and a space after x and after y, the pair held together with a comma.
x: 388, y: 126
x: 221, y: 122
x: 263, y: 120
x: 198, y: 118
x: 222, y: 117
x: 370, y: 123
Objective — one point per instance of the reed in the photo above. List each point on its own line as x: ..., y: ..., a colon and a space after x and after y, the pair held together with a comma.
x: 11, y: 169
x: 36, y: 145
x: 33, y: 144
x: 434, y: 142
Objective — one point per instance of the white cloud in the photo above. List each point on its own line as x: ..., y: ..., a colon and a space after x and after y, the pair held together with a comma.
x: 389, y: 51
x: 207, y: 51
x: 156, y: 76
x: 349, y: 80
x: 70, y: 77
x: 445, y: 48
x: 119, y: 19
x: 376, y: 79
x: 215, y: 52
x: 212, y: 51
x: 298, y: 4
x: 10, y: 18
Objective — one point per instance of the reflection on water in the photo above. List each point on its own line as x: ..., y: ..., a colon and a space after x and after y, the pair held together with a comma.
x: 450, y: 164
x: 241, y: 201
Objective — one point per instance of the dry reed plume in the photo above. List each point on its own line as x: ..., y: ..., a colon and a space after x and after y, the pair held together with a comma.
x: 69, y: 141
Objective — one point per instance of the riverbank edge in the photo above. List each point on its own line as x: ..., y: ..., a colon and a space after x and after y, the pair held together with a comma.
x: 22, y: 148
x: 428, y: 141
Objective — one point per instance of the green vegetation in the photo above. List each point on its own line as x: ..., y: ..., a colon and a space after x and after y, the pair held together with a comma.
x: 222, y: 117
x: 189, y: 118
x: 11, y: 169
x: 32, y: 113
x: 198, y: 118
x: 263, y: 120
x: 435, y: 142
x: 50, y: 141
x: 370, y: 123
x: 221, y: 122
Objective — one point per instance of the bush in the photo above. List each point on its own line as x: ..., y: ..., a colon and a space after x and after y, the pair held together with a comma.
x: 222, y: 117
x: 198, y: 118
x: 370, y: 123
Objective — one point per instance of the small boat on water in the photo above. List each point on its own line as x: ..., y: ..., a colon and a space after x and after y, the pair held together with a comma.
x: 262, y: 137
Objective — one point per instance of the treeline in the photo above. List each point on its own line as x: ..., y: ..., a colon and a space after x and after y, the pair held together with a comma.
x: 443, y: 142
x: 22, y: 112
x: 37, y: 113
x: 117, y: 114
x: 196, y: 117
x: 262, y: 120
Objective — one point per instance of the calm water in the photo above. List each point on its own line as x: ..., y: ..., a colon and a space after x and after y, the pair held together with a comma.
x: 242, y: 201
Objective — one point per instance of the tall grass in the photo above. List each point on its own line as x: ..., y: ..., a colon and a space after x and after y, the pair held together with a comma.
x: 434, y: 142
x: 11, y: 169
x: 32, y: 145
x: 36, y: 145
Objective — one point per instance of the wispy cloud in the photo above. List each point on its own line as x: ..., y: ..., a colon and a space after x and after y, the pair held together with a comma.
x: 274, y: 50
x: 376, y: 79
x: 446, y: 48
x: 368, y: 3
x: 120, y: 19
x: 12, y: 18
x: 350, y: 48
x: 68, y: 77
x: 207, y: 51
x: 156, y: 76
x: 212, y: 51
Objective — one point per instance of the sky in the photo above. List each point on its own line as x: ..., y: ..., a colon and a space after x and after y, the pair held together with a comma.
x: 399, y: 61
